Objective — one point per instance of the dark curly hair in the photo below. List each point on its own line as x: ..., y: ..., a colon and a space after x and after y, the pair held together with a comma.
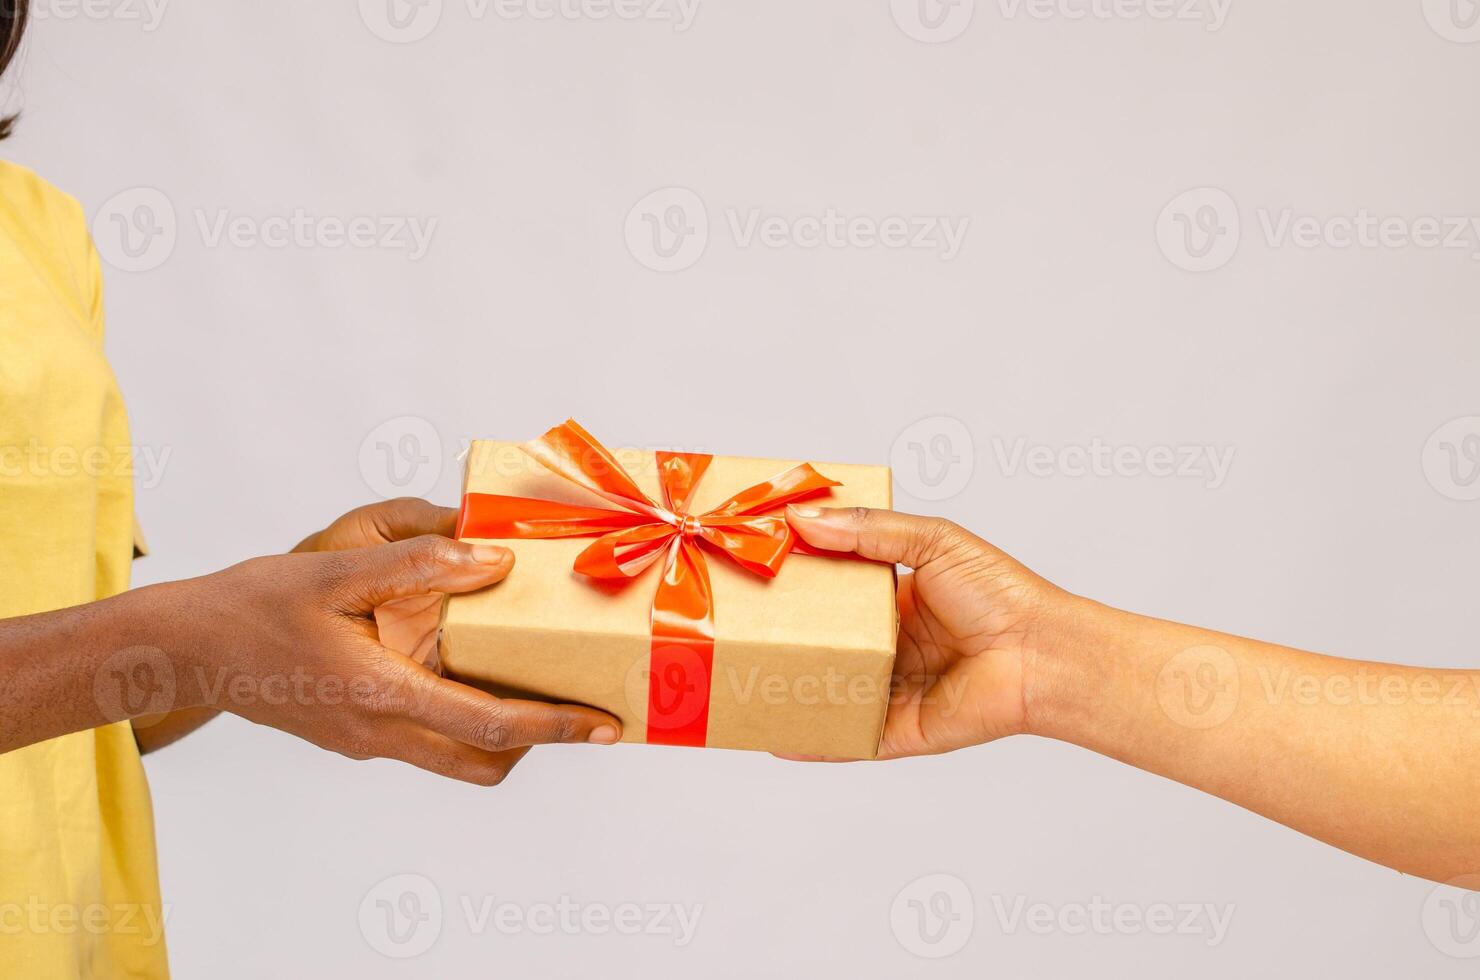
x: 12, y: 26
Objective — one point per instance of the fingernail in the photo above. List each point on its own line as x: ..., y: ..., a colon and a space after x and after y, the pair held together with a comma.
x: 491, y: 554
x: 605, y: 735
x: 805, y: 512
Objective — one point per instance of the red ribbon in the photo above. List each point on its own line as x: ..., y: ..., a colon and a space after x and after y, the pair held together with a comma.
x: 631, y: 539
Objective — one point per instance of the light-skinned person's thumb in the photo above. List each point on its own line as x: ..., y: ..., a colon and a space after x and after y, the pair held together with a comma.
x: 881, y: 535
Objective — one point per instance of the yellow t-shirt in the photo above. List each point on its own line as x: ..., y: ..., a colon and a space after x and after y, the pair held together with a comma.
x: 79, y: 886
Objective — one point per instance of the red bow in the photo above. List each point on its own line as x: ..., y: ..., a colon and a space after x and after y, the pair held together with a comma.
x: 630, y: 540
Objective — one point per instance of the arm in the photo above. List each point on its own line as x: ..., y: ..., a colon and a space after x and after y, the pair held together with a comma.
x: 287, y: 641
x: 1379, y: 760
x: 407, y: 626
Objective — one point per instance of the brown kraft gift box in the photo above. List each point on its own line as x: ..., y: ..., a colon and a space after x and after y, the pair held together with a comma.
x: 801, y: 662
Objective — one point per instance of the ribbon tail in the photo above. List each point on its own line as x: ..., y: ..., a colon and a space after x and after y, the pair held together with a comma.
x: 784, y: 488
x: 681, y: 655
x: 624, y: 554
x: 573, y: 453
x: 489, y: 515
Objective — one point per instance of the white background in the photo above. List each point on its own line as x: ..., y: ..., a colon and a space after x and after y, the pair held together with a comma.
x: 1067, y: 315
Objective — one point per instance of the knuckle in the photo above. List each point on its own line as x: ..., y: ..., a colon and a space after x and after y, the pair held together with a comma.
x: 386, y: 695
x: 932, y: 539
x: 414, y: 508
x: 335, y: 566
x: 402, y: 512
x: 424, y: 556
x: 492, y: 732
x: 492, y: 776
x: 359, y: 745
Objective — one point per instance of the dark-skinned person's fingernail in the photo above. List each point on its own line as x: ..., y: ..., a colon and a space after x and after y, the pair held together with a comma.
x: 491, y: 554
x: 604, y: 735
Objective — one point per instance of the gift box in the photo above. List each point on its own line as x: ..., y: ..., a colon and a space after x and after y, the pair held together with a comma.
x: 667, y: 589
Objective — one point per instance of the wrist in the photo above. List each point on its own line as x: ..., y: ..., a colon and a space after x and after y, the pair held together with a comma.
x: 183, y: 616
x: 1072, y: 661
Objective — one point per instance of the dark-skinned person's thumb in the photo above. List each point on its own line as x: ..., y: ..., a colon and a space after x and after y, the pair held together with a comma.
x: 417, y: 566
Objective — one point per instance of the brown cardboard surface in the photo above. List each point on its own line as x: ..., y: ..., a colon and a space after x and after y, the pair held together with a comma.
x: 801, y: 662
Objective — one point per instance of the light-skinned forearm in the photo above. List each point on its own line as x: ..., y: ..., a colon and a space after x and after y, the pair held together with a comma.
x: 1379, y: 760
